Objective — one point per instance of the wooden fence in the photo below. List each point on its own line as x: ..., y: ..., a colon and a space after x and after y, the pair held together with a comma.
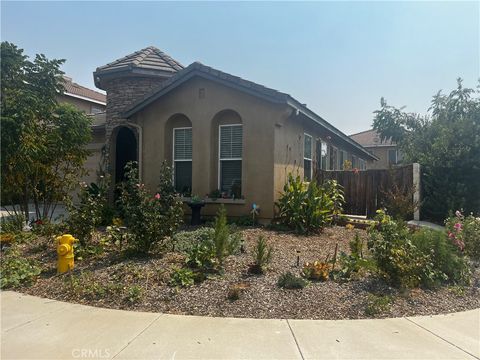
x: 365, y: 191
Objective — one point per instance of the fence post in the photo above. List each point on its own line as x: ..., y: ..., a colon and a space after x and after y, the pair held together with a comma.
x: 416, y: 186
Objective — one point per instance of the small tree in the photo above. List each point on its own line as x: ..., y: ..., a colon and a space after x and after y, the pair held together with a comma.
x: 221, y: 235
x: 445, y: 142
x: 42, y: 142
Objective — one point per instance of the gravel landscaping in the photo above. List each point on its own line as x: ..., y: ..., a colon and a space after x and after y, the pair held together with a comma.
x: 113, y: 281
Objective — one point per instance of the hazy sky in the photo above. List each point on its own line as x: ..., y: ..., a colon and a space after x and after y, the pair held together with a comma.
x: 338, y: 57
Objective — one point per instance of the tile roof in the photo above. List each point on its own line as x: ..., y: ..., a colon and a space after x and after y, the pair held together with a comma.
x: 82, y: 91
x: 150, y: 58
x: 272, y: 95
x: 370, y: 138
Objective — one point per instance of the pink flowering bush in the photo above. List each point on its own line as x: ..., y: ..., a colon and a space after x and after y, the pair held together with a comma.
x: 150, y: 218
x: 464, y: 233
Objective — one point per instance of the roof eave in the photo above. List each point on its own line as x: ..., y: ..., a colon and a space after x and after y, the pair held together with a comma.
x: 322, y: 122
x: 185, y: 77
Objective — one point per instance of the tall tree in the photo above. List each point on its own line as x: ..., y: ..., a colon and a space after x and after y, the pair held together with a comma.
x: 446, y: 142
x: 42, y: 141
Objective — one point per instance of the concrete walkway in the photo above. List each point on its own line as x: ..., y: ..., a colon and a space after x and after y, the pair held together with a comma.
x: 35, y: 328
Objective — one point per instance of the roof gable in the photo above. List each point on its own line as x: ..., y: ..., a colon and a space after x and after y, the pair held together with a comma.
x: 268, y: 94
x: 149, y: 58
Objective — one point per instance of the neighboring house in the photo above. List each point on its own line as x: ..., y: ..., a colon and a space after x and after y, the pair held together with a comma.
x: 94, y: 104
x: 386, y: 151
x: 219, y: 132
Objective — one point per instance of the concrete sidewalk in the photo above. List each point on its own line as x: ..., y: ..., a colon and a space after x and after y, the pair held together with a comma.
x: 35, y: 328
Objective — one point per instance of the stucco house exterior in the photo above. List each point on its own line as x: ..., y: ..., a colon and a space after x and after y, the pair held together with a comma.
x: 386, y: 151
x: 220, y: 133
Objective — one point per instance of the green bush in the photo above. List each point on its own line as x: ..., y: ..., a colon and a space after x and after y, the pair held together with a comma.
x: 409, y: 260
x: 85, y: 217
x: 308, y: 207
x: 397, y: 259
x: 185, y: 240
x: 12, y: 223
x: 262, y: 254
x: 182, y: 277
x: 289, y: 281
x: 464, y: 232
x: 201, y: 255
x: 206, y: 248
x: 377, y: 304
x: 150, y: 219
x: 134, y: 294
x: 448, y: 264
x: 17, y: 270
x: 354, y: 263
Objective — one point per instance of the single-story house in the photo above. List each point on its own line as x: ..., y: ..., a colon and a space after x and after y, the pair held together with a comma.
x: 386, y: 151
x: 224, y: 136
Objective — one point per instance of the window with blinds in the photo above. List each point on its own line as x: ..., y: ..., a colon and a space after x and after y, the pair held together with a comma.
x: 230, y: 158
x: 307, y: 157
x: 182, y: 160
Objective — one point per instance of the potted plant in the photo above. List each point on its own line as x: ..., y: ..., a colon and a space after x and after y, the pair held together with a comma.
x: 196, y: 204
x: 215, y: 194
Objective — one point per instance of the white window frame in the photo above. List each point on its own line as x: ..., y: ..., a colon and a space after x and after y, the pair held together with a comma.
x: 173, y: 152
x: 305, y: 135
x: 229, y: 159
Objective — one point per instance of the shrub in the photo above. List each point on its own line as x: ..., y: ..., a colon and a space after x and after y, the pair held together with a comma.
x: 149, y: 219
x: 289, y: 281
x: 185, y: 240
x: 85, y: 217
x: 134, y: 294
x: 262, y: 254
x: 398, y: 202
x: 335, y: 192
x: 116, y: 236
x: 307, y: 207
x: 448, y: 265
x: 201, y: 255
x: 182, y: 277
x: 354, y: 263
x: 202, y: 250
x: 17, y: 270
x: 397, y: 259
x: 224, y: 243
x: 12, y: 223
x: 377, y: 304
x: 464, y: 232
x: 48, y: 229
x: 317, y: 270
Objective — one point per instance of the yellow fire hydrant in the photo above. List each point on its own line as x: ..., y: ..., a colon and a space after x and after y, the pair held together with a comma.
x: 65, y: 253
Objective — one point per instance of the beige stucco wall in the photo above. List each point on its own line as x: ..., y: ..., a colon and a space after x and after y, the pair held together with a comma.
x: 206, y: 113
x: 80, y: 104
x: 93, y: 161
x: 382, y: 153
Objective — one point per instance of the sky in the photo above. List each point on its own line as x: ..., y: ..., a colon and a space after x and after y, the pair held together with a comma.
x: 339, y: 58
